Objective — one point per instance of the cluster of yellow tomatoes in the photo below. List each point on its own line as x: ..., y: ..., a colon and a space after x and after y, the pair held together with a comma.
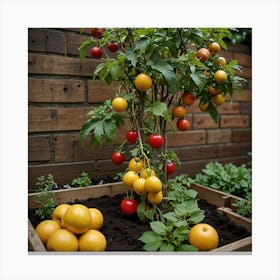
x: 143, y: 180
x: 73, y: 228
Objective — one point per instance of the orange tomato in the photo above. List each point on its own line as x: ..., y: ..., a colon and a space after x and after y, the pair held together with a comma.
x: 213, y: 90
x: 214, y: 48
x: 46, y: 228
x: 63, y: 240
x: 203, y: 106
x: 221, y: 61
x: 92, y: 240
x: 179, y: 111
x: 119, y: 104
x: 203, y: 54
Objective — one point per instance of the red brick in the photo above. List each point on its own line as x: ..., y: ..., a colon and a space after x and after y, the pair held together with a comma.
x: 56, y: 119
x: 192, y: 137
x: 244, y: 95
x: 234, y: 121
x: 203, y: 121
x: 241, y: 135
x: 218, y: 136
x: 243, y: 58
x: 229, y: 108
x: 246, y: 72
x: 55, y: 90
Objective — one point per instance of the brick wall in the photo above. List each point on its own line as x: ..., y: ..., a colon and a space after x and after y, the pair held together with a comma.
x: 61, y: 92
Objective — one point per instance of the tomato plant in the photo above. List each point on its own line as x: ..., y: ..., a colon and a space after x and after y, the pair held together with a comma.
x: 128, y: 206
x: 159, y: 71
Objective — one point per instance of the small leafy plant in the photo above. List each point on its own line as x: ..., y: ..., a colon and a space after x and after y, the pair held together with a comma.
x: 228, y: 178
x: 170, y: 232
x: 46, y: 197
x: 82, y: 181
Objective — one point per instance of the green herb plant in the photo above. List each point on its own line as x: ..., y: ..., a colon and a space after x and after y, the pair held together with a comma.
x: 82, y: 181
x: 45, y: 198
x: 229, y: 178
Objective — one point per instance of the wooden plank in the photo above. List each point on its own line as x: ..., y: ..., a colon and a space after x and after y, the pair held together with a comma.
x: 212, y: 196
x: 99, y: 91
x: 34, y: 242
x: 61, y: 65
x: 236, y: 218
x: 243, y: 245
x: 39, y: 148
x: 56, y: 118
x: 56, y: 90
x: 70, y: 195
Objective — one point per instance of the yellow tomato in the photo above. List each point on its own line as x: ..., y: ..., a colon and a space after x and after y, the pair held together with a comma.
x: 147, y: 172
x: 219, y: 99
x: 97, y: 218
x: 220, y: 76
x: 77, y: 218
x: 204, y: 237
x: 119, y: 104
x: 46, y: 228
x: 143, y: 82
x: 92, y: 240
x: 139, y: 186
x: 136, y: 165
x: 155, y: 198
x: 129, y: 178
x: 153, y: 184
x: 63, y: 240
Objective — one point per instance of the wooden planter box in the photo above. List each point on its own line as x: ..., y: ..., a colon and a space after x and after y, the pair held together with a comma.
x: 217, y: 198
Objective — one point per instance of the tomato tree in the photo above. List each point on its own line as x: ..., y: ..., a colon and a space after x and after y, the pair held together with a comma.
x: 161, y: 72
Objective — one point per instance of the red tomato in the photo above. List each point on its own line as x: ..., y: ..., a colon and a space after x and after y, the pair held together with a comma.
x: 183, y: 124
x: 156, y: 141
x: 128, y: 206
x: 113, y: 46
x: 188, y: 98
x: 96, y: 52
x: 170, y: 167
x: 117, y: 157
x: 132, y: 136
x: 97, y: 32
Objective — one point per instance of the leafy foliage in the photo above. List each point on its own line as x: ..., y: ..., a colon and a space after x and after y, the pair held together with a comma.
x: 171, y: 232
x: 45, y: 198
x: 102, y: 125
x: 82, y: 181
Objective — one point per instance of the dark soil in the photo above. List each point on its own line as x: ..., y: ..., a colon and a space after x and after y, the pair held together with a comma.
x: 122, y: 232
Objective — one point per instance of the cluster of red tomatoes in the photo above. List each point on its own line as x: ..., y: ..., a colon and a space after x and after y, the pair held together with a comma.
x: 97, y: 52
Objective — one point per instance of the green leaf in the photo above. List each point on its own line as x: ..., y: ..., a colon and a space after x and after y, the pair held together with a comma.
x: 167, y: 71
x: 158, y: 227
x: 170, y: 216
x: 132, y: 57
x: 152, y: 247
x: 158, y: 108
x: 186, y: 247
x: 116, y: 72
x: 167, y: 247
x: 142, y: 43
x: 197, y: 217
x: 84, y: 46
x: 141, y: 210
x: 149, y: 237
